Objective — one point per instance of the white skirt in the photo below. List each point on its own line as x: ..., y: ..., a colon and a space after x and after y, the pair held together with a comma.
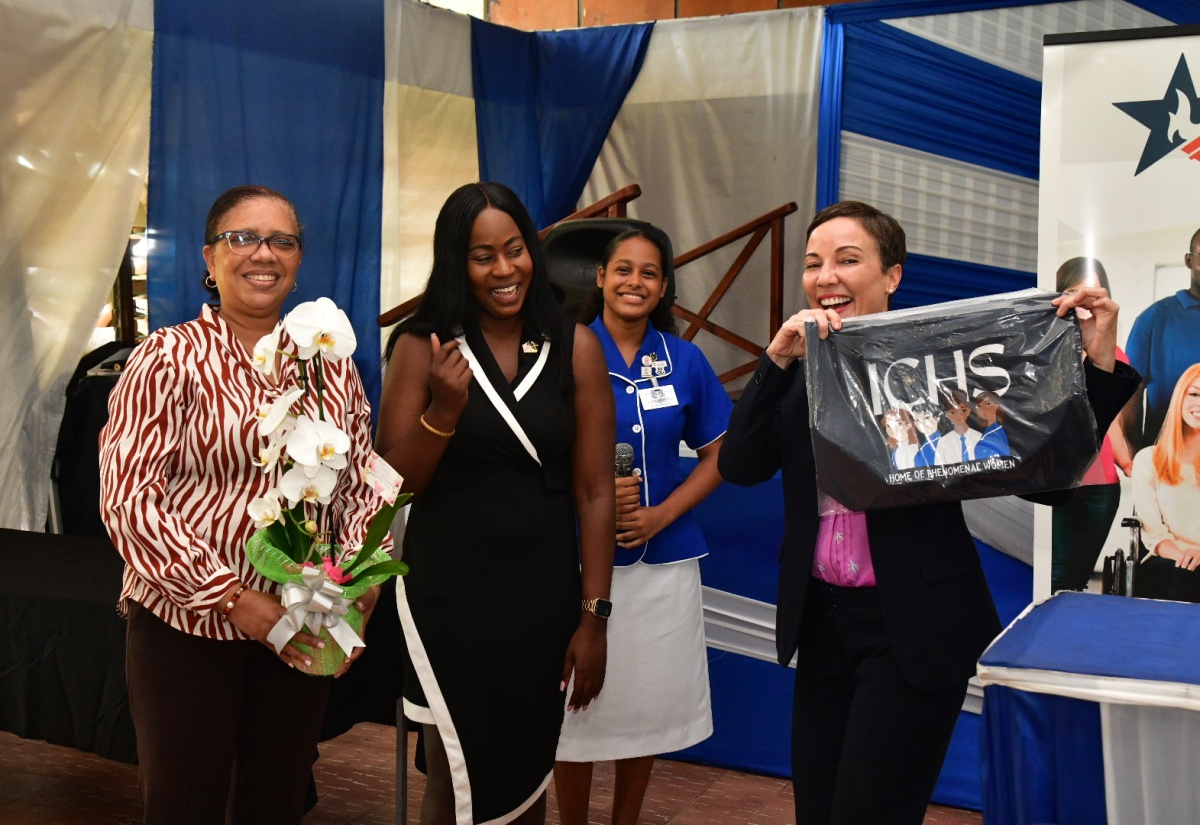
x: 655, y: 696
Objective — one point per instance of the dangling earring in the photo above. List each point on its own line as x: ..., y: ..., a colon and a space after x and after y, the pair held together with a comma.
x: 210, y: 282
x: 294, y: 285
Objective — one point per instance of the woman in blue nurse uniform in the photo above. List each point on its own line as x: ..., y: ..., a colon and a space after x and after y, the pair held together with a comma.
x: 655, y: 697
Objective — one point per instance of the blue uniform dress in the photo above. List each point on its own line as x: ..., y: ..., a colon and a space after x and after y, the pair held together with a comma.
x: 655, y: 697
x: 927, y: 455
x: 993, y: 442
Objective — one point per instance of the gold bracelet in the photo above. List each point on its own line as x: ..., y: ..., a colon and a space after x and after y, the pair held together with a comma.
x: 227, y: 608
x: 434, y: 429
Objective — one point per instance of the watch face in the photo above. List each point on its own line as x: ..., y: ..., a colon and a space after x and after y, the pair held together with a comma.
x: 603, y: 608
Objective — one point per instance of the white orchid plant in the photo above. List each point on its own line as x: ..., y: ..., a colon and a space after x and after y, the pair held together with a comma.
x: 291, y: 545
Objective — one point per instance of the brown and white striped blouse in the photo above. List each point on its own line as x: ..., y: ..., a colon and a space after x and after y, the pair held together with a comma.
x: 176, y: 469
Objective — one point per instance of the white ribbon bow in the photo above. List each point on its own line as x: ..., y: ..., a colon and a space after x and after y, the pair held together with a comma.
x: 315, y: 604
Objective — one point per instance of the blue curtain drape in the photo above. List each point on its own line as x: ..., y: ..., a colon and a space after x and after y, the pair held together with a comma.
x: 829, y: 121
x: 890, y: 9
x: 545, y: 102
x: 1177, y: 11
x: 1042, y: 758
x: 286, y: 94
x: 928, y: 280
x: 910, y: 91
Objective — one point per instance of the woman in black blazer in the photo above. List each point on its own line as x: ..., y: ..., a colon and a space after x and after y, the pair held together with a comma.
x: 887, y: 611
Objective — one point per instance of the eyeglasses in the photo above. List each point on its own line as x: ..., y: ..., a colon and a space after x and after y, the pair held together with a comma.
x: 246, y: 243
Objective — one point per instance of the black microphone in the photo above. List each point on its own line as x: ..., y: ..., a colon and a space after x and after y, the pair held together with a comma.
x: 623, y: 460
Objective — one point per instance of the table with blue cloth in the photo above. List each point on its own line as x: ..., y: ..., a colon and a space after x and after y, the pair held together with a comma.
x: 1090, y: 714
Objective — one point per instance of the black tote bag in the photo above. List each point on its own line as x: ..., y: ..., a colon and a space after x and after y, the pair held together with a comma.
x: 960, y: 400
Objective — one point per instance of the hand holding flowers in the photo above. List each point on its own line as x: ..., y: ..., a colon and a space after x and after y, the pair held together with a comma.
x: 294, y: 544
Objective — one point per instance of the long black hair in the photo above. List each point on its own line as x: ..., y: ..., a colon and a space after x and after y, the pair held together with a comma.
x: 661, y: 317
x: 447, y: 306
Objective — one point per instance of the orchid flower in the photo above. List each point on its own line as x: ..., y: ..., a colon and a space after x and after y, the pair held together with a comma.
x: 268, y: 456
x: 316, y: 443
x: 271, y: 416
x: 319, y: 326
x: 297, y: 485
x: 263, y: 357
x: 265, y: 510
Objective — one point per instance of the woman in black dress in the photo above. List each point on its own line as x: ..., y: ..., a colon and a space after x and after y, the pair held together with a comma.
x: 497, y: 411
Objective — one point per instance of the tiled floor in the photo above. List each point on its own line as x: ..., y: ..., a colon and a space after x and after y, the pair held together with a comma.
x: 45, y: 785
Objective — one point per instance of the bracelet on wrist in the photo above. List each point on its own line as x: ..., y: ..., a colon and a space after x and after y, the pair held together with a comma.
x: 227, y: 608
x: 435, y: 430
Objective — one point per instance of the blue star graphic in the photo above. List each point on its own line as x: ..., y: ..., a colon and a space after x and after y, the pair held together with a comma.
x: 1162, y: 116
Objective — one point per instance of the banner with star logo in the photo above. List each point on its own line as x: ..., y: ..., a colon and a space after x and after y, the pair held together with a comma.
x: 1120, y: 166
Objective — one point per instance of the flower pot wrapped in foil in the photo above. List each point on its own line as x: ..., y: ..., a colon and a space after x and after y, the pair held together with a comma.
x: 320, y: 598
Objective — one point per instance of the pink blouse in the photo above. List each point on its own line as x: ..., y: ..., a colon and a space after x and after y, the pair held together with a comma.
x: 843, y: 554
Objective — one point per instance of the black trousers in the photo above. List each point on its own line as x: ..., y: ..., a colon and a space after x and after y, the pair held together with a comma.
x: 226, y: 732
x: 867, y: 747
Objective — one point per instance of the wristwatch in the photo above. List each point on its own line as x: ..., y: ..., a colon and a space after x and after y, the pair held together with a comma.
x: 598, y: 607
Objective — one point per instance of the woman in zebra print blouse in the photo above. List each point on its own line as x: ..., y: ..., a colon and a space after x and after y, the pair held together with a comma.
x: 223, y: 722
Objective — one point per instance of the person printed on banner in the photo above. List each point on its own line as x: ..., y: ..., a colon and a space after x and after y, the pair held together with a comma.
x: 885, y: 611
x: 926, y: 418
x: 1166, y: 491
x: 656, y: 693
x: 902, y: 440
x: 1162, y: 344
x: 958, y: 445
x: 993, y: 441
x: 225, y: 725
x: 496, y: 410
x: 1081, y: 525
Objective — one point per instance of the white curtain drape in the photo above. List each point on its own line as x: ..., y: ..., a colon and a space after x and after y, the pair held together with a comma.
x: 719, y: 128
x: 429, y: 137
x: 949, y: 209
x: 1146, y: 754
x: 1012, y: 37
x: 74, y: 147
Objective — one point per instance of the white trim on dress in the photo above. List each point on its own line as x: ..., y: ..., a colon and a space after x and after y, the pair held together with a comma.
x: 437, y: 713
x: 486, y: 385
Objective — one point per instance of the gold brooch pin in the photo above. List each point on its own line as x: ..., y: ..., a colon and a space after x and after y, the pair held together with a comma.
x: 529, y: 346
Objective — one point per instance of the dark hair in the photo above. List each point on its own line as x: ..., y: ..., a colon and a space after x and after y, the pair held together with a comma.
x: 995, y: 399
x: 661, y: 317
x: 227, y: 201
x: 883, y: 228
x: 1073, y: 271
x: 910, y: 426
x: 953, y: 397
x: 447, y: 306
